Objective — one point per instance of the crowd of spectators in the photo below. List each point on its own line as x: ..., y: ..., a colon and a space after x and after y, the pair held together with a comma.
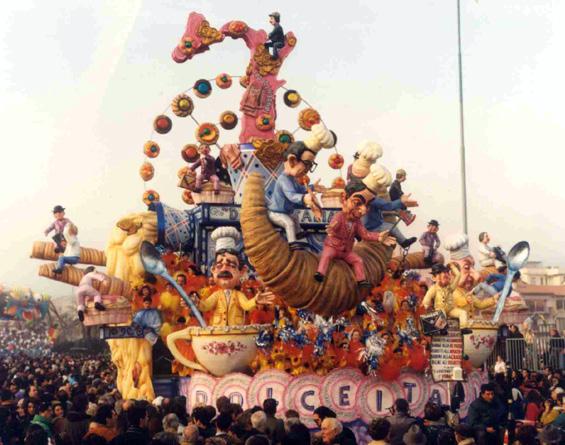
x: 59, y: 399
x: 34, y: 341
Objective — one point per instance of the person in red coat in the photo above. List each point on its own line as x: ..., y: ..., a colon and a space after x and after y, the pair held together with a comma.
x: 342, y: 231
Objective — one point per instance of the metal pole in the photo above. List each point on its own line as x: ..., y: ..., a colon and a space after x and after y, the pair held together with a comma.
x: 462, y: 123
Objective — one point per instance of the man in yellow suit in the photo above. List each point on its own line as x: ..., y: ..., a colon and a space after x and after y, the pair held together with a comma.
x: 230, y: 305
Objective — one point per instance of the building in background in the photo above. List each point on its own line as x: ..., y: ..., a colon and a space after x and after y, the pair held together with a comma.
x: 544, y: 292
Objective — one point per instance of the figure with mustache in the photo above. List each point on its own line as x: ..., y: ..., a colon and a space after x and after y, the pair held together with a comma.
x: 342, y: 230
x: 229, y: 304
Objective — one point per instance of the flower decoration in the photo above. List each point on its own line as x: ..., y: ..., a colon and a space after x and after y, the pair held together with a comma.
x: 207, y: 133
x: 162, y: 124
x: 182, y: 105
x: 264, y: 122
x: 188, y: 46
x: 307, y: 118
x: 223, y: 81
x: 284, y: 137
x: 146, y: 171
x: 228, y: 120
x: 190, y: 153
x: 202, y: 88
x: 292, y: 98
x: 151, y: 149
x: 150, y: 196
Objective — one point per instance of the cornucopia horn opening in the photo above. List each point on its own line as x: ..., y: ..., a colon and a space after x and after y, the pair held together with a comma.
x: 290, y: 274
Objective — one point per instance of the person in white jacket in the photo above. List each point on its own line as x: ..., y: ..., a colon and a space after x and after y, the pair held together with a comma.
x: 71, y: 255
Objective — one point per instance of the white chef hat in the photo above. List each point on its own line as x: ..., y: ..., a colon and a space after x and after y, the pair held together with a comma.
x: 458, y: 246
x: 226, y: 238
x: 320, y: 137
x: 369, y: 151
x: 378, y: 178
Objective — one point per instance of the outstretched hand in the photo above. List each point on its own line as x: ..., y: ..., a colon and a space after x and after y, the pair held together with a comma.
x: 405, y: 199
x: 265, y: 297
x: 318, y: 188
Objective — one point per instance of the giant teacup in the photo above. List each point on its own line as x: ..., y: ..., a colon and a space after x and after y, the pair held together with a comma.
x: 218, y: 349
x: 480, y: 343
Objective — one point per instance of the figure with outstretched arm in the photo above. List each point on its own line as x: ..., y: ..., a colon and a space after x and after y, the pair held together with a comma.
x: 342, y: 231
x: 229, y: 305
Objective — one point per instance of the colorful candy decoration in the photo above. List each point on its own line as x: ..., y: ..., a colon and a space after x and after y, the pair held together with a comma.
x: 188, y: 46
x: 202, y: 88
x: 307, y: 118
x: 223, y: 81
x: 264, y: 122
x: 151, y: 149
x: 146, y: 171
x: 187, y: 197
x: 338, y: 183
x: 190, y: 153
x: 162, y: 124
x: 207, y: 133
x: 292, y: 98
x: 228, y: 120
x: 182, y: 172
x: 237, y: 28
x: 336, y: 161
x: 182, y: 105
x: 150, y: 196
x: 284, y: 137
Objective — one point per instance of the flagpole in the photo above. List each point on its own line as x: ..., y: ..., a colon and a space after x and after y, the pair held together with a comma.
x: 462, y: 123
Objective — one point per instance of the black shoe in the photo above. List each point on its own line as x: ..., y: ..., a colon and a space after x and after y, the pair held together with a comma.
x: 99, y: 307
x: 428, y: 262
x: 57, y: 271
x: 81, y: 316
x: 301, y: 235
x: 408, y: 242
x: 364, y: 284
x: 297, y: 245
x: 319, y: 277
x: 466, y: 331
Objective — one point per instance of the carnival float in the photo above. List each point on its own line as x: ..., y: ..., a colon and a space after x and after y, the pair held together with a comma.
x: 272, y: 283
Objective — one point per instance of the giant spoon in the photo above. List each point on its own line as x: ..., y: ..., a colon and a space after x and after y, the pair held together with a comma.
x: 152, y: 262
x: 515, y: 260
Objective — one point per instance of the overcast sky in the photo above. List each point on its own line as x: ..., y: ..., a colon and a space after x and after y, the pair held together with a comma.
x: 81, y: 81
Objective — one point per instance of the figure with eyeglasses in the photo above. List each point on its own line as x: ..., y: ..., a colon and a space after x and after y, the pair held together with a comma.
x: 289, y: 193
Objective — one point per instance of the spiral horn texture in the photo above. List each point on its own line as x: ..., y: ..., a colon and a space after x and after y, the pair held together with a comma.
x: 290, y: 274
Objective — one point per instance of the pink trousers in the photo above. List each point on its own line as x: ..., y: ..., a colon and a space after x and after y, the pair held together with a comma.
x: 87, y: 291
x: 354, y: 260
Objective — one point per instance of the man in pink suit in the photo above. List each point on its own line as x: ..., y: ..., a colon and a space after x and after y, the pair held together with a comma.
x: 342, y: 231
x: 86, y: 289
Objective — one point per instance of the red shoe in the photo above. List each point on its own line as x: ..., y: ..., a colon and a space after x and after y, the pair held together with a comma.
x: 406, y: 217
